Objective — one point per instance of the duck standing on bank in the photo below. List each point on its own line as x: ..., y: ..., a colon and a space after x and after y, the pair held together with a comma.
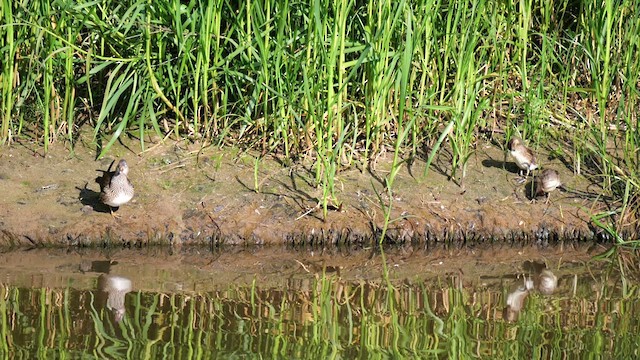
x: 524, y: 157
x: 548, y: 181
x: 115, y: 187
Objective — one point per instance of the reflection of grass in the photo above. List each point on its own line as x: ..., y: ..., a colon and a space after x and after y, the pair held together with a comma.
x: 321, y: 317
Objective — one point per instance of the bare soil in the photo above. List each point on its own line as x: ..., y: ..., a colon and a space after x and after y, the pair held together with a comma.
x: 186, y: 194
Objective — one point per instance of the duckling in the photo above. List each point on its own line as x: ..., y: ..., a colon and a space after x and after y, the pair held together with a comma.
x: 548, y: 181
x: 524, y: 157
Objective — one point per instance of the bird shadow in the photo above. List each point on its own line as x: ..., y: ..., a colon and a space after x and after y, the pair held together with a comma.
x: 509, y: 166
x: 91, y: 198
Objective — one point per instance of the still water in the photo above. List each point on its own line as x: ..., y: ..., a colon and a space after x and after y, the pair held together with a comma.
x: 316, y: 304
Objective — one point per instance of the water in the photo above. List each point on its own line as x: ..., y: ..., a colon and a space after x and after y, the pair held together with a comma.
x: 314, y: 304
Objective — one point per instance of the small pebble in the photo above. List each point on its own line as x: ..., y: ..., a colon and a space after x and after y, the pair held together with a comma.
x: 47, y: 187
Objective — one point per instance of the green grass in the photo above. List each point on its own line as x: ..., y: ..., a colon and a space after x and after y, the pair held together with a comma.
x: 333, y: 82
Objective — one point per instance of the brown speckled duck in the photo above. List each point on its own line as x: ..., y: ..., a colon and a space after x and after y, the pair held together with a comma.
x: 548, y: 181
x: 115, y: 187
x: 524, y: 157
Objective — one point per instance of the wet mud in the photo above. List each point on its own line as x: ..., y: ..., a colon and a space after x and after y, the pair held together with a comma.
x: 189, y: 195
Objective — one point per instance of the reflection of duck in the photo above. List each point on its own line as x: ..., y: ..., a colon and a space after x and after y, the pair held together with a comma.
x: 116, y: 287
x: 115, y: 187
x: 99, y: 266
x: 515, y: 301
x: 547, y: 282
x: 524, y: 157
x: 544, y: 280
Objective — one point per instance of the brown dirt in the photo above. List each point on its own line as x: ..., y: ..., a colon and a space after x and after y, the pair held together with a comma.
x: 188, y: 195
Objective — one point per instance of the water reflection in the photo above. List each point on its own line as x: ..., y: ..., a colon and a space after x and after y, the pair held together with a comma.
x: 515, y: 300
x: 115, y: 288
x: 547, y: 282
x: 98, y: 266
x: 313, y: 313
x: 112, y: 288
x: 543, y: 280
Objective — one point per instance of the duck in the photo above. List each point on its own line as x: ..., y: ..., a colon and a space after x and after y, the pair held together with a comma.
x: 115, y: 187
x: 548, y: 181
x: 524, y: 157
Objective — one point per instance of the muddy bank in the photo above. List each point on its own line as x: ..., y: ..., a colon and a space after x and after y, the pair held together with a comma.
x: 189, y: 195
